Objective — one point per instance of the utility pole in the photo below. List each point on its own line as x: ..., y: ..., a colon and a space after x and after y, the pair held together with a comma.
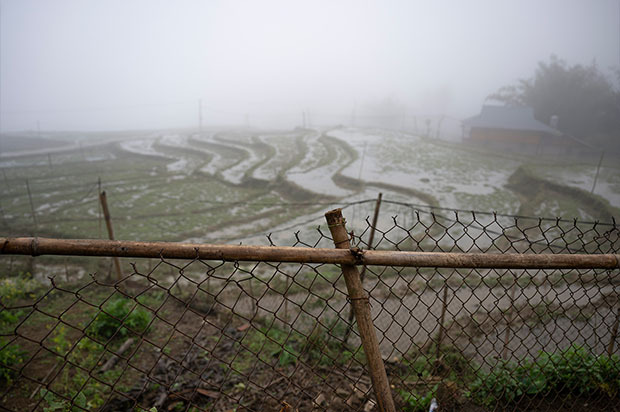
x: 439, y: 127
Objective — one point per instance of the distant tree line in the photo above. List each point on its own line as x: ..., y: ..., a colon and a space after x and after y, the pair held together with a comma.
x: 586, y: 101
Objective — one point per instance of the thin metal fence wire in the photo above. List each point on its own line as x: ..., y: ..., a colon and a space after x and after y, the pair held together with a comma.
x: 204, y: 335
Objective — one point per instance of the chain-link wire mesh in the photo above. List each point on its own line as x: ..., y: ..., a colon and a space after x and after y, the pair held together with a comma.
x: 194, y: 334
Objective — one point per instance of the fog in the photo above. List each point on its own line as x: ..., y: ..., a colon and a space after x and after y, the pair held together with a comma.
x: 110, y: 65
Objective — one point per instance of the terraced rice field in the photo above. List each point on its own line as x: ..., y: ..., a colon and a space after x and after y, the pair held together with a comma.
x: 223, y: 186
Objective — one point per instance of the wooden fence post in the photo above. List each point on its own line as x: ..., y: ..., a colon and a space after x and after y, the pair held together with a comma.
x: 441, y: 321
x: 371, y: 238
x: 361, y: 306
x: 598, y: 169
x: 614, y: 334
x: 34, y: 216
x: 99, y: 206
x: 511, y: 314
x: 108, y: 222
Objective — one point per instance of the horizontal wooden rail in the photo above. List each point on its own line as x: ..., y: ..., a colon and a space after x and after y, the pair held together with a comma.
x: 95, y: 247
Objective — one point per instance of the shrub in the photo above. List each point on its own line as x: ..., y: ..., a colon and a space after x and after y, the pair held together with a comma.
x: 415, y: 402
x: 118, y: 318
x: 11, y: 355
x: 573, y: 371
x: 18, y: 287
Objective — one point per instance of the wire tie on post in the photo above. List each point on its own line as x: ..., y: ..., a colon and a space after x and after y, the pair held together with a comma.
x: 366, y: 298
x: 342, y: 222
x: 358, y: 254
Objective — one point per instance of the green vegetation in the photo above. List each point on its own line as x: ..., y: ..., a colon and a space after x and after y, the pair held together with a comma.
x: 276, y: 347
x: 11, y: 354
x: 423, y: 364
x: 11, y: 357
x: 76, y: 383
x: 118, y: 318
x: 17, y: 287
x: 574, y: 371
x: 571, y: 372
x: 417, y: 402
x: 55, y: 404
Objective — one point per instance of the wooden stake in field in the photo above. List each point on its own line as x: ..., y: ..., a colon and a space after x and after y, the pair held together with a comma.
x: 442, y: 319
x: 371, y: 239
x: 99, y: 205
x: 361, y: 306
x: 34, y: 216
x: 614, y: 334
x: 598, y: 169
x: 511, y: 314
x: 108, y: 221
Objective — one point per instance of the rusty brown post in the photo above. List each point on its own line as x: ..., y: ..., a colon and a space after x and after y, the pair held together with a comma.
x: 511, y: 313
x: 34, y: 215
x: 598, y: 169
x: 108, y: 222
x: 99, y: 206
x: 614, y: 334
x: 285, y: 294
x: 441, y: 321
x: 361, y: 306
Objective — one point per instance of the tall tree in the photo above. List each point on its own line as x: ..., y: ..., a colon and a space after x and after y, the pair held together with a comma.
x: 585, y: 100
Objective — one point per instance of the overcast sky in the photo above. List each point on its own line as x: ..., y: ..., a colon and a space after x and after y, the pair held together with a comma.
x: 132, y: 64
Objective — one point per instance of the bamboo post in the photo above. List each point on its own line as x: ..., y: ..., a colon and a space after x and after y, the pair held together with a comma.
x: 252, y: 297
x: 371, y: 238
x: 361, y: 306
x: 288, y: 285
x: 108, y: 222
x: 614, y: 334
x: 6, y: 181
x: 511, y: 313
x: 34, y: 216
x: 99, y: 206
x: 244, y: 253
x: 598, y: 169
x: 441, y: 322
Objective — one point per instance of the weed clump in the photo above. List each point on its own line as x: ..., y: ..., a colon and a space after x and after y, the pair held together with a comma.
x: 118, y: 318
x: 574, y: 371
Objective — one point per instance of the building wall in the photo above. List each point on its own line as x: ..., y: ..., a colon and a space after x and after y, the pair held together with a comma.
x: 523, y: 141
x: 505, y: 136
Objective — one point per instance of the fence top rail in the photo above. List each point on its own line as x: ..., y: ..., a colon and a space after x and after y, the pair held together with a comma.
x: 36, y: 246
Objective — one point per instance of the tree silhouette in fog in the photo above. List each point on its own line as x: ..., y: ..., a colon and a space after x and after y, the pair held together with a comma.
x: 586, y: 101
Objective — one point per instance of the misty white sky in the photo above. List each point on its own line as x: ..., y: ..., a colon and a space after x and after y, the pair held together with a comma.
x: 132, y: 64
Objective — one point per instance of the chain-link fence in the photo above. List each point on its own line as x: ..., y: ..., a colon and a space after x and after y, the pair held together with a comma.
x: 253, y: 333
